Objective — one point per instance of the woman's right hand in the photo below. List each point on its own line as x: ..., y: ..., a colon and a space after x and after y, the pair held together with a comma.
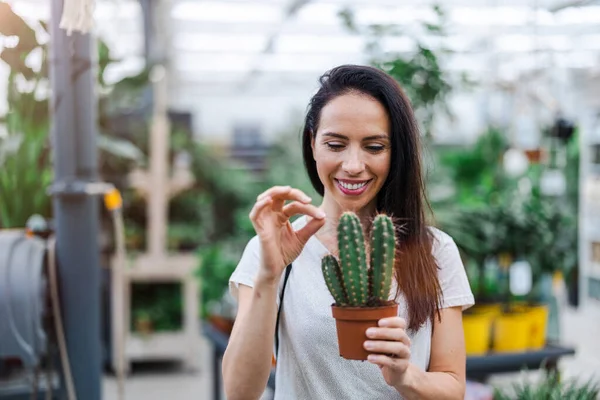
x: 280, y: 243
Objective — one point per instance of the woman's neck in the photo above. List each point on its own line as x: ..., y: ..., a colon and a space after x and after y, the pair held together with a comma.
x: 328, y: 233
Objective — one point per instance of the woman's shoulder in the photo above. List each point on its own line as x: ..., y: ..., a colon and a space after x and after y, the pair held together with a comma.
x: 441, y: 239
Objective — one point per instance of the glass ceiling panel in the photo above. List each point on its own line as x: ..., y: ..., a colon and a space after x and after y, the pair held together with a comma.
x: 192, y: 62
x: 227, y: 12
x: 318, y: 44
x: 213, y: 42
x: 308, y: 62
x: 225, y: 41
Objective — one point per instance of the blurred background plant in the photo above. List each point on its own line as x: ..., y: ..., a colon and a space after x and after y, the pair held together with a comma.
x: 550, y: 387
x: 420, y: 73
x: 24, y: 150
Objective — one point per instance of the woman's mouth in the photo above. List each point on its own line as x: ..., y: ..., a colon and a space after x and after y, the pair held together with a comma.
x: 352, y: 189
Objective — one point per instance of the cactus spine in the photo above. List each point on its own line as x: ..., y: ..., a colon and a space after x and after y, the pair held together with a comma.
x: 383, y: 247
x: 334, y: 279
x: 353, y: 281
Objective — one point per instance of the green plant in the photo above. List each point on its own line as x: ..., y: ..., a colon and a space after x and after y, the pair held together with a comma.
x: 25, y: 168
x: 550, y: 388
x: 160, y: 304
x: 24, y: 175
x: 217, y: 263
x: 419, y: 71
x: 358, y: 283
x: 474, y: 173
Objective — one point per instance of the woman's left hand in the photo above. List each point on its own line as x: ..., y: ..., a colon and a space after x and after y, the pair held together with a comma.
x: 391, y: 341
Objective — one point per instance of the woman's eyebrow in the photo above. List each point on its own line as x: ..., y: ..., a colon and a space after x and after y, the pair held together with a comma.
x: 335, y: 135
x: 340, y: 136
x: 376, y: 137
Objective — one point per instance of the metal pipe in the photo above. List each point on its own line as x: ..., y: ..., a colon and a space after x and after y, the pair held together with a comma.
x: 73, y: 107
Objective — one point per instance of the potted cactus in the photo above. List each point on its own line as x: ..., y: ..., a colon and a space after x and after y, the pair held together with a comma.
x: 360, y: 287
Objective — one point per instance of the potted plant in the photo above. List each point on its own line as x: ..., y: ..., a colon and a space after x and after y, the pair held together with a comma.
x: 361, y: 289
x: 143, y: 323
x: 550, y: 387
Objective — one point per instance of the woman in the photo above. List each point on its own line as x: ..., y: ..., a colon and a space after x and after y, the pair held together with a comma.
x: 362, y: 153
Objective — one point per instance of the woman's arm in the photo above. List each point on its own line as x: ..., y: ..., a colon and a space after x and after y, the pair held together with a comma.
x: 247, y: 359
x: 447, y: 366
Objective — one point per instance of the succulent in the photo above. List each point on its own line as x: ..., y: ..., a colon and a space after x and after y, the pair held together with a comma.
x: 353, y: 281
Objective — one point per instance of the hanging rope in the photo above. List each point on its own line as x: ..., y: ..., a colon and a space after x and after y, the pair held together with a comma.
x: 78, y: 15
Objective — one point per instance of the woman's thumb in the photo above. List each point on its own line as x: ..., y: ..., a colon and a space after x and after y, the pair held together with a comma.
x: 311, y: 227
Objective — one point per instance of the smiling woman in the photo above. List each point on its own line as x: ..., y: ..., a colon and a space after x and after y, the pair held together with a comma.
x: 361, y: 149
x: 352, y: 150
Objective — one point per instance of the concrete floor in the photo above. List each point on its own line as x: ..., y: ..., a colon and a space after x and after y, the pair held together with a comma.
x: 580, y: 328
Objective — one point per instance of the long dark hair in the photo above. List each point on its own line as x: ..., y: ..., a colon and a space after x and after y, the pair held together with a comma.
x: 402, y: 195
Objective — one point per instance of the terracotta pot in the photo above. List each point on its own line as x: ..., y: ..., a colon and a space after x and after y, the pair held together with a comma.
x: 223, y: 325
x: 143, y: 326
x: 352, y: 324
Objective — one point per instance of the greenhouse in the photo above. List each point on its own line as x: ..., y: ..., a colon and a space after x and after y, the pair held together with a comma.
x: 297, y: 199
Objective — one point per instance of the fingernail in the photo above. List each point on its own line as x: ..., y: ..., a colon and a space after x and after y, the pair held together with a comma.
x: 370, y: 332
x: 321, y: 214
x: 372, y: 357
x: 368, y: 345
x: 307, y: 199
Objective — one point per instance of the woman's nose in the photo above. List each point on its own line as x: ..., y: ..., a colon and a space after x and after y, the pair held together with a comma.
x: 353, y: 165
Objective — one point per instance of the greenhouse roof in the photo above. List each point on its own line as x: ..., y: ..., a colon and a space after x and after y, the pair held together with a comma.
x: 231, y: 44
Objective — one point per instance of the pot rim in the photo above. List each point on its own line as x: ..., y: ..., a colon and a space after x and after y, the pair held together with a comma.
x: 364, y: 313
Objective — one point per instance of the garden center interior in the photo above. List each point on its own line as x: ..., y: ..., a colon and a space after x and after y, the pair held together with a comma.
x: 134, y: 144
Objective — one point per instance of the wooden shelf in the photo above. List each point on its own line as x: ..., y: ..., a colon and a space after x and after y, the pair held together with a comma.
x: 182, y: 345
x: 173, y: 268
x: 157, y: 346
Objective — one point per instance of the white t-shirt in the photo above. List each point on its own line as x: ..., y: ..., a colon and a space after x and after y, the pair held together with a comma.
x: 309, y: 365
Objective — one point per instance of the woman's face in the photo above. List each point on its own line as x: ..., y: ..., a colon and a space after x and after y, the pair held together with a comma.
x: 352, y: 150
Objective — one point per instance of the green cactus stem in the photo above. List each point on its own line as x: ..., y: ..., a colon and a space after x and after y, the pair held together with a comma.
x: 353, y: 259
x: 334, y: 280
x: 383, y: 246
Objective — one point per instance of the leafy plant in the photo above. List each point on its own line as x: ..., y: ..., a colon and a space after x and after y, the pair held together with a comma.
x: 217, y: 263
x: 26, y: 171
x: 159, y: 303
x: 550, y: 388
x: 24, y: 175
x: 419, y: 72
x: 358, y: 283
x: 475, y: 173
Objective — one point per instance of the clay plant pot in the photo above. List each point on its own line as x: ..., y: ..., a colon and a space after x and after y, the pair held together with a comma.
x: 352, y: 324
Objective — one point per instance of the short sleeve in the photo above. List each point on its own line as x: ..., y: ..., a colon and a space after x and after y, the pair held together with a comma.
x: 247, y: 268
x: 456, y: 290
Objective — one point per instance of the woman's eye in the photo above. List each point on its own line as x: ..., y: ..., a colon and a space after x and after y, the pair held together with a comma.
x: 334, y: 146
x: 375, y: 149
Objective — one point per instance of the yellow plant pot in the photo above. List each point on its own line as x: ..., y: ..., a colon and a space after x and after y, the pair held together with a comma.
x: 538, y: 320
x: 477, y: 328
x: 511, y: 332
x: 492, y: 310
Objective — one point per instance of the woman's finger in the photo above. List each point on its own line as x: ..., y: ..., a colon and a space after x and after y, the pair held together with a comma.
x: 387, y: 361
x: 285, y: 193
x: 296, y: 208
x: 258, y: 207
x: 316, y: 219
x: 392, y: 322
x: 398, y: 349
x: 392, y: 334
x: 308, y: 230
x: 274, y: 191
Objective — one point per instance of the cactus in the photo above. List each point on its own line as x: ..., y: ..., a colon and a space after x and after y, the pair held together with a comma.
x: 334, y: 280
x: 351, y: 243
x: 383, y: 247
x: 354, y: 282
